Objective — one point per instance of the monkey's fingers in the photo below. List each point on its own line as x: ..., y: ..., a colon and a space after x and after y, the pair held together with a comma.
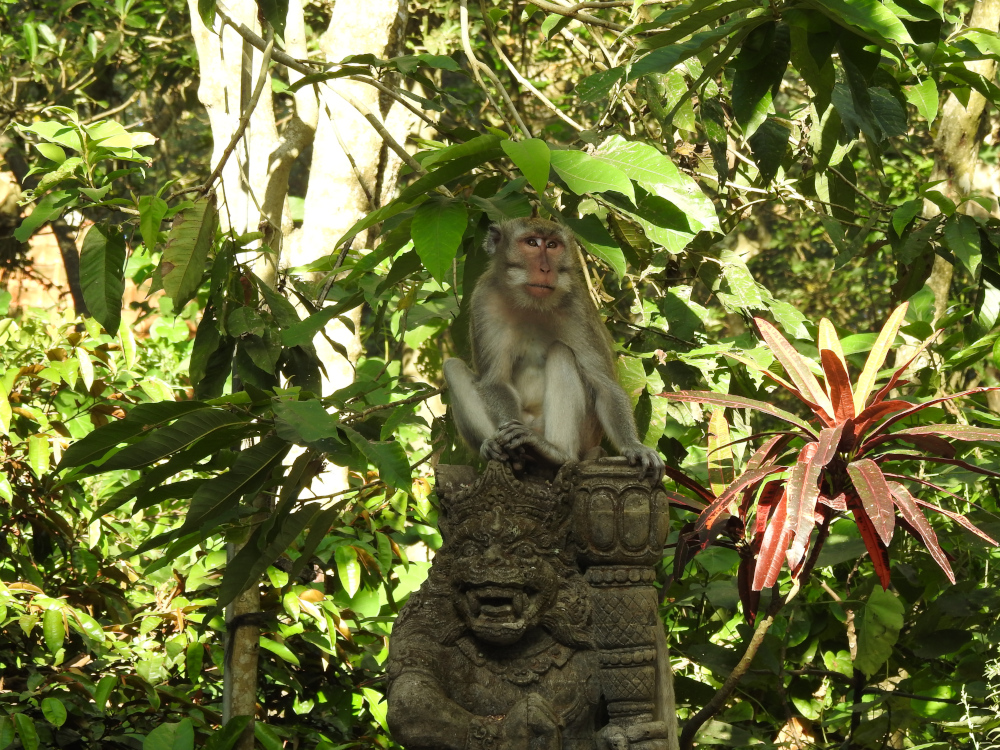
x: 491, y: 450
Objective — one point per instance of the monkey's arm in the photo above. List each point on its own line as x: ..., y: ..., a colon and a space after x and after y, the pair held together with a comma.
x: 614, y: 410
x: 480, y: 408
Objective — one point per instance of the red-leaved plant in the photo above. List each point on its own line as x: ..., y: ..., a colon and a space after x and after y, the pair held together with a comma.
x: 837, y: 462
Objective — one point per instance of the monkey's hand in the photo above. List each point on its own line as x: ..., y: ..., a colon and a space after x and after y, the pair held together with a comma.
x: 515, y: 436
x: 651, y: 461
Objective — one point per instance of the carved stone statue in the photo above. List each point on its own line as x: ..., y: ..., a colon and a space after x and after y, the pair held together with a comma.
x: 499, y: 649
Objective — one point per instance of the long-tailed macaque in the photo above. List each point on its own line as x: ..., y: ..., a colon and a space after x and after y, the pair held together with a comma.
x: 544, y: 375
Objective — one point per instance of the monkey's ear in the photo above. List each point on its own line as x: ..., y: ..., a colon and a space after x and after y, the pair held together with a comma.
x: 492, y: 239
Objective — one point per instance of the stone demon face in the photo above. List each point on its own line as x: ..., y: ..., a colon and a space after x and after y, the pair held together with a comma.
x: 505, y: 575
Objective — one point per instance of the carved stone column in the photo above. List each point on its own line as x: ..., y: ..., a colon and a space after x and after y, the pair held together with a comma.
x: 621, y: 523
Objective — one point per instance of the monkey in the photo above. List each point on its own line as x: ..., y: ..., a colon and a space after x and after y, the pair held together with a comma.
x: 543, y: 376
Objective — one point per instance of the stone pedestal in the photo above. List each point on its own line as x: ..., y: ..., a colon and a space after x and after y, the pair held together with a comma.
x: 621, y: 524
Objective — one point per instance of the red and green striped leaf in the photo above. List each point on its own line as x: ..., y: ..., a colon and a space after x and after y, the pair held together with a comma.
x: 930, y: 443
x: 875, y: 496
x: 894, y: 379
x: 738, y: 402
x: 685, y: 481
x: 908, y: 510
x: 769, y: 497
x: 721, y: 503
x: 772, y: 548
x: 838, y: 503
x: 877, y: 355
x: 938, y: 460
x: 959, y: 519
x: 884, y: 427
x: 964, y: 432
x: 796, y: 367
x: 803, y: 489
x: 839, y: 383
x: 876, y: 550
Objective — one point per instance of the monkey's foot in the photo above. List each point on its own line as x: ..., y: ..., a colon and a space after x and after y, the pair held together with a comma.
x: 650, y: 461
x: 514, y: 437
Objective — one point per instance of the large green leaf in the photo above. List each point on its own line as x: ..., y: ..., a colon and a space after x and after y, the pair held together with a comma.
x: 49, y: 207
x: 768, y: 145
x: 595, y: 238
x: 186, y: 251
x: 251, y: 561
x: 161, y: 442
x: 961, y: 236
x: 252, y: 468
x: 142, y: 417
x: 304, y: 331
x: 445, y: 173
x: 388, y: 457
x: 305, y: 422
x: 667, y: 58
x: 738, y: 402
x: 870, y: 15
x: 878, y: 628
x: 760, y: 67
x: 585, y: 174
x: 151, y: 212
x: 102, y: 274
x: 691, y: 22
x: 437, y: 228
x: 531, y: 156
x: 658, y: 174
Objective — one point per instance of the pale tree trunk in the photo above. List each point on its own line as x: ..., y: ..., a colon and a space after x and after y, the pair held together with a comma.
x: 351, y: 173
x: 252, y: 195
x: 957, y: 148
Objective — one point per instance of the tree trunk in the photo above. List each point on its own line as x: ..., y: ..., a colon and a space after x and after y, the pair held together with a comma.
x: 351, y: 172
x: 957, y: 148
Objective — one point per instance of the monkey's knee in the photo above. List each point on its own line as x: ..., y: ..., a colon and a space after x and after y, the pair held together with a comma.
x: 457, y: 373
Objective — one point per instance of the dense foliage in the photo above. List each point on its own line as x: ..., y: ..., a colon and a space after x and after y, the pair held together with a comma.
x: 719, y: 161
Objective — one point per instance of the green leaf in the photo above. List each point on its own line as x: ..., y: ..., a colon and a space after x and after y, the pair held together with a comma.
x: 878, y: 630
x: 53, y: 629
x: 252, y: 469
x: 658, y: 174
x: 26, y: 731
x: 961, y: 236
x: 304, y: 331
x: 102, y: 274
x: 905, y: 213
x: 52, y: 152
x: 595, y: 239
x: 388, y: 457
x: 280, y: 650
x: 692, y: 21
x: 38, y: 454
x: 305, y: 422
x: 768, y: 145
x: 760, y: 67
x: 151, y: 213
x: 870, y: 15
x: 585, y: 174
x: 598, y: 85
x: 186, y: 252
x: 667, y: 58
x: 531, y: 156
x: 49, y: 207
x: 445, y: 173
x: 437, y: 229
x: 103, y: 691
x: 348, y: 569
x: 889, y: 113
x: 162, y: 442
x: 739, y: 402
x: 54, y: 711
x: 924, y: 96
x: 171, y: 736
x: 478, y: 145
x: 225, y: 737
x: 142, y: 417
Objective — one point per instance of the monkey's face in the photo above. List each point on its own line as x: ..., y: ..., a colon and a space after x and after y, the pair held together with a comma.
x: 543, y: 260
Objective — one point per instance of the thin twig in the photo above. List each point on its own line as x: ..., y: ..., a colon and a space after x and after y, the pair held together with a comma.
x: 572, y: 12
x: 113, y: 110
x: 397, y: 97
x: 422, y: 396
x: 477, y: 67
x: 719, y: 699
x: 379, y: 128
x: 528, y: 85
x: 262, y: 79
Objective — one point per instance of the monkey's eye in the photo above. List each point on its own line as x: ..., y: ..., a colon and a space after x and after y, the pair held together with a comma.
x: 533, y: 241
x: 553, y: 243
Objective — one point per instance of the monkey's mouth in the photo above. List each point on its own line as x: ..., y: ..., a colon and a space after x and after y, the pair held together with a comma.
x: 540, y: 290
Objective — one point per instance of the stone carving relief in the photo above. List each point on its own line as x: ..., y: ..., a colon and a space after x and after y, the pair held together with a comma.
x: 537, y: 626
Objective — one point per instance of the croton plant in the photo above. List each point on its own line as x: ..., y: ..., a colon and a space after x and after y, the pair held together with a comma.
x: 841, y: 460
